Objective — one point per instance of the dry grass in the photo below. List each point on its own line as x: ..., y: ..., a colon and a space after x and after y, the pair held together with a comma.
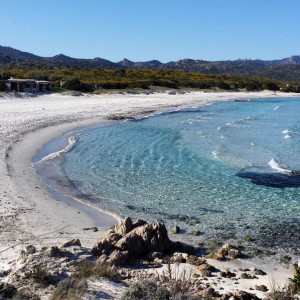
x: 41, y: 276
x: 285, y: 292
x: 172, y: 284
x: 70, y: 289
x: 174, y: 280
x: 88, y: 269
x: 73, y: 288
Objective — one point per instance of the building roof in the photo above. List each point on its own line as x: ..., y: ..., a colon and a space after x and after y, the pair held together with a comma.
x: 42, y: 81
x: 17, y: 80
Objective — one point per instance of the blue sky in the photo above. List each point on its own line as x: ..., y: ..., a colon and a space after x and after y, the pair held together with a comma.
x: 153, y: 29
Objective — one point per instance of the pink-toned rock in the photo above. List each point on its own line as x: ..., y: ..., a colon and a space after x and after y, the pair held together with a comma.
x: 124, y: 227
x: 206, y: 267
x: 138, y: 239
x: 227, y: 251
x: 144, y: 239
x: 74, y: 242
x: 102, y: 260
x: 118, y: 258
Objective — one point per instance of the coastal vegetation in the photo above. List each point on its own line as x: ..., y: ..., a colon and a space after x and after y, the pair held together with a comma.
x: 2, y: 87
x: 91, y: 80
x: 73, y: 272
x: 287, y: 69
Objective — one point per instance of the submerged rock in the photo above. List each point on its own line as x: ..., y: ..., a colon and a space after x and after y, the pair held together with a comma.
x: 175, y: 230
x: 196, y: 232
x: 227, y: 251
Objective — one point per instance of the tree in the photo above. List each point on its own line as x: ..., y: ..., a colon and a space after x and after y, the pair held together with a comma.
x: 77, y: 85
x: 222, y: 85
x: 253, y: 86
x: 2, y: 86
x: 272, y: 86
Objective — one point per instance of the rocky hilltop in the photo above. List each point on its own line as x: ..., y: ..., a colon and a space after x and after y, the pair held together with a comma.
x: 283, y: 69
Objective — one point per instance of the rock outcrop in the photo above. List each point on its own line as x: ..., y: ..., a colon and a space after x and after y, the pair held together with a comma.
x: 37, y: 272
x: 41, y: 269
x: 227, y: 251
x: 131, y: 240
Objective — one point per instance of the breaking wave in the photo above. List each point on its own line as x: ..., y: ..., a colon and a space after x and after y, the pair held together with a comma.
x: 71, y: 143
x: 279, y: 168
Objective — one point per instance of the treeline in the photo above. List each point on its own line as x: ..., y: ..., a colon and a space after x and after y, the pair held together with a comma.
x: 89, y: 80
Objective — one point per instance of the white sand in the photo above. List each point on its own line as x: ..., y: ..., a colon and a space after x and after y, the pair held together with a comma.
x: 28, y: 213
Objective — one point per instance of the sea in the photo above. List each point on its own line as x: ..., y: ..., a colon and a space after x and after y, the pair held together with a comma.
x: 223, y: 172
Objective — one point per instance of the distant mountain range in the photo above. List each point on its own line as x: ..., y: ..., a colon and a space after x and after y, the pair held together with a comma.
x: 283, y: 69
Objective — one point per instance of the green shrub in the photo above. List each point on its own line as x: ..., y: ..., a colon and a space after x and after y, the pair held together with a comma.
x: 40, y: 275
x: 77, y: 85
x: 88, y: 269
x: 7, y: 291
x: 2, y: 86
x: 277, y: 292
x: 151, y: 291
x: 253, y: 86
x: 172, y: 285
x: 145, y: 290
x: 272, y: 86
x: 295, y: 281
x: 22, y: 296
x: 222, y: 85
x: 70, y: 289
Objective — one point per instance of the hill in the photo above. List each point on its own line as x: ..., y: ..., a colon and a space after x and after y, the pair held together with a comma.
x: 282, y: 69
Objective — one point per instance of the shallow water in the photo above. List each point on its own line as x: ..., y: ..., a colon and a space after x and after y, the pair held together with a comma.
x: 230, y: 170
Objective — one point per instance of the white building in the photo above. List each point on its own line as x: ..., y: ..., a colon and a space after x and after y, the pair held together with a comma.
x: 27, y: 85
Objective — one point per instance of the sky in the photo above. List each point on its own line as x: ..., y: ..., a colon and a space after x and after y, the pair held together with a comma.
x: 140, y: 30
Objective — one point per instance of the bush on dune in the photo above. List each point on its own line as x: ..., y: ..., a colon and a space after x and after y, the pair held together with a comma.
x: 77, y: 85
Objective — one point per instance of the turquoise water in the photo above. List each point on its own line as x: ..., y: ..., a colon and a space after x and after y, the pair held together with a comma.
x: 229, y: 170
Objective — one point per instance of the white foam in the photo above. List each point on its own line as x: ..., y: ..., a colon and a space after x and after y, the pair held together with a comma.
x: 276, y: 108
x: 279, y: 168
x: 201, y: 134
x: 71, y: 143
x: 290, y: 133
x: 216, y: 153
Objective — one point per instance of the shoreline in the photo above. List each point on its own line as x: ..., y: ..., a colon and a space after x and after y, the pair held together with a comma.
x: 43, y: 220
x: 74, y: 215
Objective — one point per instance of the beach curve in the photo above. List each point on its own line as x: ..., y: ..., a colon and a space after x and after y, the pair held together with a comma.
x: 29, y: 214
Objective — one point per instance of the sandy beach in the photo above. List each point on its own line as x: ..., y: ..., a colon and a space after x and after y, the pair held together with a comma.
x: 28, y: 212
